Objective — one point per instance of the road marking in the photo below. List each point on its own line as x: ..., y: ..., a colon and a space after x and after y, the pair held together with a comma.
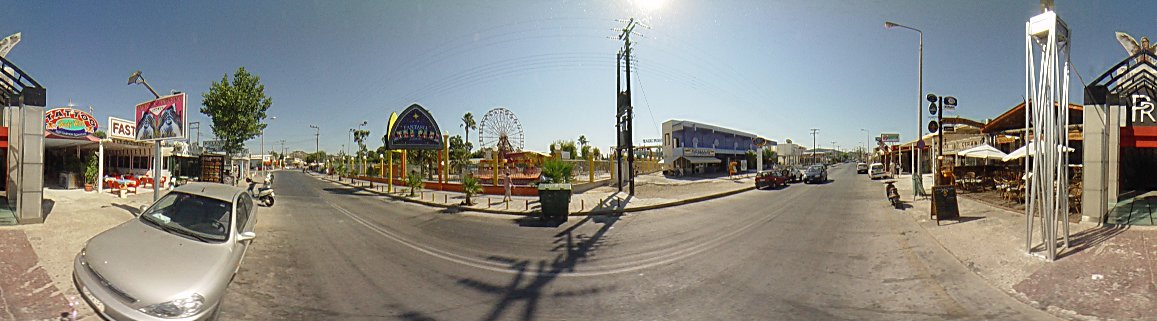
x: 614, y: 268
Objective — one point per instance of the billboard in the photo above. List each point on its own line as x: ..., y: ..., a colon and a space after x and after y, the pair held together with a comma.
x: 161, y: 119
x: 415, y: 128
x: 122, y: 128
x: 69, y: 122
x: 890, y: 138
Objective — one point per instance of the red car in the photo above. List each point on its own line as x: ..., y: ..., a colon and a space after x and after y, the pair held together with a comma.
x: 772, y: 178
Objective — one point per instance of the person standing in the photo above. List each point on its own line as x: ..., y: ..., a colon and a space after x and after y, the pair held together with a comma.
x: 508, y: 184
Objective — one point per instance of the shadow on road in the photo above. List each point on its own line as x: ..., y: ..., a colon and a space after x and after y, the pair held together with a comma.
x: 129, y: 208
x: 533, y: 276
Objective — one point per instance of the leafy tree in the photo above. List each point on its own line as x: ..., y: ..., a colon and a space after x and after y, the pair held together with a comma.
x: 769, y: 156
x: 237, y: 109
x: 317, y: 157
x: 459, y: 153
x: 583, y: 140
x: 468, y: 123
x: 557, y: 171
x: 565, y: 146
x: 586, y: 152
x: 360, y: 138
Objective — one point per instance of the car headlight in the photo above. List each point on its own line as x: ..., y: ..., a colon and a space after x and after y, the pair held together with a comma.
x: 178, y: 308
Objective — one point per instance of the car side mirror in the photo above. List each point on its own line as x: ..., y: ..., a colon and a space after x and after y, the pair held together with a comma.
x: 141, y: 210
x: 245, y: 236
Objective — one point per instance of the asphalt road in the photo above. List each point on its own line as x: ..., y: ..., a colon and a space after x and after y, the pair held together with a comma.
x: 832, y: 251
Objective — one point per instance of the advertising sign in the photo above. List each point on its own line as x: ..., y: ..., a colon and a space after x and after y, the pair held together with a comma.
x: 122, y: 128
x: 415, y: 129
x: 698, y: 152
x: 69, y: 122
x: 161, y: 119
x: 890, y: 138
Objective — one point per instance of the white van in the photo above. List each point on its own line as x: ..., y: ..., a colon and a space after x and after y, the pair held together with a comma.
x: 876, y: 171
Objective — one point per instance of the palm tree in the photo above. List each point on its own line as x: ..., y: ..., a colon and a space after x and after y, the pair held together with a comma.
x: 468, y: 123
x: 583, y: 140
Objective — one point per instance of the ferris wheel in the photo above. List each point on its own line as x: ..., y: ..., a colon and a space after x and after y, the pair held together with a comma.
x: 500, y: 130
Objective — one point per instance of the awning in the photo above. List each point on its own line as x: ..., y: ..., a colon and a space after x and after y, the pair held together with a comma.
x: 702, y: 160
x: 983, y: 151
x: 1024, y: 150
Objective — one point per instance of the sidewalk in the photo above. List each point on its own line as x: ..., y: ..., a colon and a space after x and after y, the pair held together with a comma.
x: 36, y: 272
x: 652, y: 191
x: 1108, y: 273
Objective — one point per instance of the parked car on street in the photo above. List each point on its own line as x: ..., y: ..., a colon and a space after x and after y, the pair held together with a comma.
x: 773, y: 178
x: 174, y: 260
x: 861, y: 168
x: 876, y: 171
x: 816, y: 174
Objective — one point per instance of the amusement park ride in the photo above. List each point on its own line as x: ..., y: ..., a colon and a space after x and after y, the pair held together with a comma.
x: 501, y: 132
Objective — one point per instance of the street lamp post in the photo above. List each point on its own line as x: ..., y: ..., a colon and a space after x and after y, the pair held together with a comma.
x: 916, y: 173
x: 262, y: 150
x: 136, y: 78
x: 867, y: 145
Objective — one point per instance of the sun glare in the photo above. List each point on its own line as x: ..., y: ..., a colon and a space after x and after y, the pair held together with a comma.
x: 650, y: 5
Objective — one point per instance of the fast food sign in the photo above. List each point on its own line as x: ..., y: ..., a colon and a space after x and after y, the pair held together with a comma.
x: 69, y: 122
x: 122, y: 128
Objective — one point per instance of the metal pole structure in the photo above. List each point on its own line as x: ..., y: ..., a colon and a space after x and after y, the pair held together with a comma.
x: 618, y: 123
x: 916, y: 159
x: 1046, y: 165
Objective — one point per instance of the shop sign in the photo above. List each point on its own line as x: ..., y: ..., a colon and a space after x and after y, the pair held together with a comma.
x: 122, y: 128
x: 415, y: 129
x: 69, y: 122
x: 161, y: 119
x: 890, y: 138
x: 652, y: 141
x: 1140, y: 109
x: 698, y: 152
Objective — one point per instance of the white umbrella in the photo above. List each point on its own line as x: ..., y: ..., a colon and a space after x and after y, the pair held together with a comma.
x: 1023, y: 150
x: 984, y: 151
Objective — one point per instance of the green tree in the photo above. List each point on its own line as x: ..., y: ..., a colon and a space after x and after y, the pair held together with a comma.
x: 597, y: 152
x: 468, y: 123
x: 360, y: 138
x: 471, y: 187
x: 769, y: 156
x: 459, y: 153
x: 237, y: 109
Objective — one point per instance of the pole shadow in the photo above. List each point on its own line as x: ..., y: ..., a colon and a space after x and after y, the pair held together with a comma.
x: 529, y: 283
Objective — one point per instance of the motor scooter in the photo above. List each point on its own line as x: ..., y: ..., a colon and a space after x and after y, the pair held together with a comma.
x: 263, y: 194
x: 893, y: 193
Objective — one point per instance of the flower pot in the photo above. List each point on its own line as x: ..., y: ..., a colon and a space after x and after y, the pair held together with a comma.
x: 87, y: 187
x: 555, y: 201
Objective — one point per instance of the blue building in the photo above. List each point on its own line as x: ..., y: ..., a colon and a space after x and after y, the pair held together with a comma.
x: 692, y: 147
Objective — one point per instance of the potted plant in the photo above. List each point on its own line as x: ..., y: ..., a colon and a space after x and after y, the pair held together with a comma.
x: 90, y: 174
x: 554, y: 195
x: 414, y: 181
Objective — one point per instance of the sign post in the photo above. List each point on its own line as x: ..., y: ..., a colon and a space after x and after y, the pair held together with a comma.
x: 158, y: 120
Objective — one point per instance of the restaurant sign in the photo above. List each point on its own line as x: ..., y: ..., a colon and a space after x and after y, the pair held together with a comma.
x: 69, y: 122
x: 122, y: 128
x: 890, y: 138
x: 415, y: 129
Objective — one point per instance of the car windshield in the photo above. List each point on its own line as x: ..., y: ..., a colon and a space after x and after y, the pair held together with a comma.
x: 815, y: 169
x: 191, y: 216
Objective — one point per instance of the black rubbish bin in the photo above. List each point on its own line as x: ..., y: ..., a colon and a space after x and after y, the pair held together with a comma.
x: 555, y: 201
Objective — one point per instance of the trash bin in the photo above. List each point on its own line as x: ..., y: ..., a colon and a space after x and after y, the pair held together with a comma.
x: 555, y: 201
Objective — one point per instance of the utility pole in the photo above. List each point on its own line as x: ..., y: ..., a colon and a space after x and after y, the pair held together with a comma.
x: 814, y: 131
x: 624, y: 116
x: 316, y: 138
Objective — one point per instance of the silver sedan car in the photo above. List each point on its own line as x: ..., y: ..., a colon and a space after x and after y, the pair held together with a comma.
x: 173, y: 261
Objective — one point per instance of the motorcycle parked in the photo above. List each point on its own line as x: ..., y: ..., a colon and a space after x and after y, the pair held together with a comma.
x: 893, y: 193
x: 263, y: 194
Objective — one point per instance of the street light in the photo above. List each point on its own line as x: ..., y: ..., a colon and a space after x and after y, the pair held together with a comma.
x: 919, y: 112
x: 867, y: 145
x: 137, y: 78
x: 316, y: 138
x: 262, y: 150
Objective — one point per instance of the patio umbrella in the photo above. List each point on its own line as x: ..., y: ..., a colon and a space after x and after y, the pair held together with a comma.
x: 1023, y: 150
x: 984, y: 151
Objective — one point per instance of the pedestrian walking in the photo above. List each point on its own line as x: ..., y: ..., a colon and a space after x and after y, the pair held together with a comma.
x: 508, y: 184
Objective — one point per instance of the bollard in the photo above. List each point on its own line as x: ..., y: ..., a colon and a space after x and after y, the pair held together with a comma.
x: 526, y: 204
x: 582, y: 205
x: 446, y: 198
x: 487, y: 202
x: 507, y: 204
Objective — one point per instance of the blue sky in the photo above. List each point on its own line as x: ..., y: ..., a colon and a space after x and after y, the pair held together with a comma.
x: 775, y: 68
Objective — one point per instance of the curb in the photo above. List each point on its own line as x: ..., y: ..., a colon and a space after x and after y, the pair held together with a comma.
x: 523, y: 213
